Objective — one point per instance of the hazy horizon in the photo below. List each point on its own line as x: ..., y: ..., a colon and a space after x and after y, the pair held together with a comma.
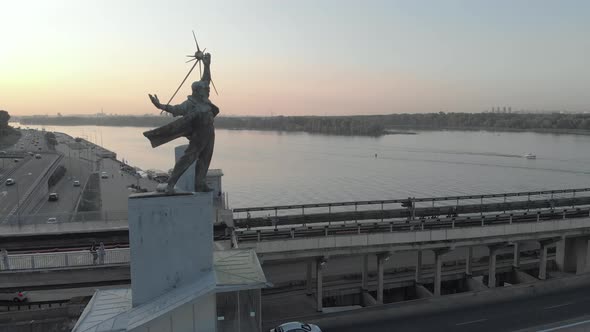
x: 297, y: 58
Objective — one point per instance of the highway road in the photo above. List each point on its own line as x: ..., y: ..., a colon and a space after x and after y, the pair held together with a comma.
x: 25, y: 174
x: 519, y: 314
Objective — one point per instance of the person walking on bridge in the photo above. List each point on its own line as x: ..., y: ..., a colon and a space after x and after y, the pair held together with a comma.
x: 101, y: 253
x: 4, y: 255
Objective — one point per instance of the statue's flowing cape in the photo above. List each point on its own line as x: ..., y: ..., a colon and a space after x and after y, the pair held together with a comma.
x: 171, y: 131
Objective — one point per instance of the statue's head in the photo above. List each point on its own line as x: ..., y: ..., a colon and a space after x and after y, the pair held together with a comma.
x: 200, y: 89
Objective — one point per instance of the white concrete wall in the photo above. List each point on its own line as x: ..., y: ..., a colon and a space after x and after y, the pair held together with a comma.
x: 171, y: 241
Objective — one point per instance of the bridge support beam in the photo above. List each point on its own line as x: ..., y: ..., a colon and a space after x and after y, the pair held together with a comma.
x: 365, y: 273
x: 320, y: 264
x: 468, y: 261
x: 418, y: 275
x: 438, y: 255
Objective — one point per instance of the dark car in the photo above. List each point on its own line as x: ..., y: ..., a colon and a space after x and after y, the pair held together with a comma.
x: 53, y: 197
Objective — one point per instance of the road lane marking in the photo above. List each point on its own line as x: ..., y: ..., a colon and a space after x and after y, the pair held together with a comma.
x: 559, y: 305
x: 472, y: 322
x: 565, y: 326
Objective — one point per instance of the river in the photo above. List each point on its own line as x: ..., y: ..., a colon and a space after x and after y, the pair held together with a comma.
x: 270, y: 168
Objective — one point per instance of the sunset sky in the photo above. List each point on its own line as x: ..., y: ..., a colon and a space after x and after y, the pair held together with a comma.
x: 296, y: 57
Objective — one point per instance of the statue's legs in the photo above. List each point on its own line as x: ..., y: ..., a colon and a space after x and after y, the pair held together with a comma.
x: 203, y: 162
x: 181, y: 166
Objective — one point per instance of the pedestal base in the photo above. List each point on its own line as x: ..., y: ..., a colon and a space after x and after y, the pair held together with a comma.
x: 171, y: 240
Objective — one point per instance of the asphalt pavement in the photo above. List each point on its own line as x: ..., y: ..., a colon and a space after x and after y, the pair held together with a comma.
x: 24, y: 176
x: 528, y: 313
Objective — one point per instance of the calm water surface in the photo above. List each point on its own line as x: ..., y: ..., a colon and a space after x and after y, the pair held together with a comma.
x: 269, y: 168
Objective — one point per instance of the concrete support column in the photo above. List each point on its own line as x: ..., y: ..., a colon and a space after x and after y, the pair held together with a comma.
x: 492, y: 267
x: 365, y: 273
x: 319, y: 279
x: 381, y: 259
x: 438, y: 271
x: 543, y: 262
x: 468, y: 261
x: 418, y: 275
x: 560, y: 254
x: 309, y: 287
x: 516, y: 261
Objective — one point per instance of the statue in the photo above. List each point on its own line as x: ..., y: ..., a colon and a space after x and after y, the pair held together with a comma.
x: 196, y: 124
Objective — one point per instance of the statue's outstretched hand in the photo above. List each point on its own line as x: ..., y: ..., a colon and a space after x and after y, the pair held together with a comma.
x: 155, y: 101
x: 207, y: 59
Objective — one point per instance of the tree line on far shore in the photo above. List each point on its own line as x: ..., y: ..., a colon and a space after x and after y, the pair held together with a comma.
x: 362, y: 125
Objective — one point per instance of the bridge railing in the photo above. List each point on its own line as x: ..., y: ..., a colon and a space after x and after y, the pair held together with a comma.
x: 72, y: 217
x: 64, y: 259
x: 270, y: 212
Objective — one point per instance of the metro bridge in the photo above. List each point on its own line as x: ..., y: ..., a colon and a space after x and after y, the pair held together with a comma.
x: 442, y: 226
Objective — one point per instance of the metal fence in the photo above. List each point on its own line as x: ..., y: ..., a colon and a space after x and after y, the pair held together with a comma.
x: 64, y: 259
x: 53, y: 218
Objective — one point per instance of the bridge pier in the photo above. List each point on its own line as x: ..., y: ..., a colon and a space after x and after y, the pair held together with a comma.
x: 418, y: 275
x: 438, y: 255
x: 492, y: 265
x: 320, y: 263
x: 308, y: 283
x: 381, y: 259
x: 365, y: 273
x: 516, y: 261
x: 573, y: 254
x: 468, y: 261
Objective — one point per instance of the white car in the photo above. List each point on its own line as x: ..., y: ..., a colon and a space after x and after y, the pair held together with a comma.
x: 52, y: 220
x: 104, y: 175
x: 14, y: 296
x: 296, y: 327
x: 10, y: 182
x: 76, y: 183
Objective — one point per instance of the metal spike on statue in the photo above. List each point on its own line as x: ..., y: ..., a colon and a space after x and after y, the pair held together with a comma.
x: 197, y: 114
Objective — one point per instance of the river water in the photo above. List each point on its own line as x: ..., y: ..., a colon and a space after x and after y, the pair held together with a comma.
x: 270, y: 168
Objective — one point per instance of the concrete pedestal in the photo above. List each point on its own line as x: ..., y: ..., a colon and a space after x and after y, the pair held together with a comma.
x: 171, y: 240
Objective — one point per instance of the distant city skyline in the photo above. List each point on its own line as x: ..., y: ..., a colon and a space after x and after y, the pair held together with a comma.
x: 297, y: 58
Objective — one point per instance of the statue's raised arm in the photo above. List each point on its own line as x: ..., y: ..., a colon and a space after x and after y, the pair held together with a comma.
x: 206, y: 77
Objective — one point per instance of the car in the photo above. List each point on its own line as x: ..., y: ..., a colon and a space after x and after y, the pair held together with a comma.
x: 39, y: 149
x: 296, y: 327
x: 76, y: 183
x: 53, y: 197
x: 10, y: 182
x: 37, y: 156
x: 14, y: 296
x: 16, y: 160
x: 52, y: 220
x: 104, y: 175
x: 30, y: 153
